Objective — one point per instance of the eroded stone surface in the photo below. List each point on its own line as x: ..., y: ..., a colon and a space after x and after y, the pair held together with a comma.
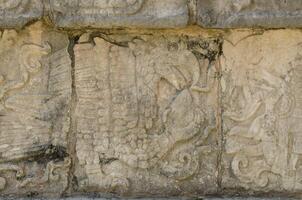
x: 146, y: 115
x: 17, y: 13
x: 77, y: 14
x: 119, y: 13
x: 249, y: 13
x: 35, y: 89
x: 262, y: 111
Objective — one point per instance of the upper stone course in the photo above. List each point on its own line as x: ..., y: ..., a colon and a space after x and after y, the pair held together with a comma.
x: 77, y: 14
x: 249, y: 13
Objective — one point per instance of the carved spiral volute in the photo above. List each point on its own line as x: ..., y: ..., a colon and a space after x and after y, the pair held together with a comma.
x: 31, y: 56
x: 182, y: 164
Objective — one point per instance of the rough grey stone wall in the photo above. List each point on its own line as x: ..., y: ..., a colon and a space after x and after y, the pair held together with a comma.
x: 142, y: 98
x: 77, y: 14
x: 249, y: 13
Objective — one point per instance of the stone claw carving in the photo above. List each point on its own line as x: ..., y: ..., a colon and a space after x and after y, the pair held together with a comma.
x: 9, y: 167
x: 51, y: 174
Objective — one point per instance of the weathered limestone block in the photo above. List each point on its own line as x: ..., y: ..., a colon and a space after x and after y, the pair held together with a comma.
x: 262, y: 96
x: 146, y: 114
x: 17, y: 13
x: 35, y: 89
x: 119, y: 13
x: 249, y: 13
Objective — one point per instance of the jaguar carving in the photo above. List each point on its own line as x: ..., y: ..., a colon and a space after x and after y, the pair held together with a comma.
x: 141, y: 114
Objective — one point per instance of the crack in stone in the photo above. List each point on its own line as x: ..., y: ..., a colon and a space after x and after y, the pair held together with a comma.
x: 73, y: 124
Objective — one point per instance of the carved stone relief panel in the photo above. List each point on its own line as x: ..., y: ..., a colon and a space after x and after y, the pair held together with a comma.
x: 262, y: 111
x: 35, y: 89
x: 146, y: 115
x: 249, y: 13
x: 17, y: 13
x: 119, y: 13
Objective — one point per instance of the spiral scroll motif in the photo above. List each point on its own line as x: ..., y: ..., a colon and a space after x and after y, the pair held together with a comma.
x: 8, y: 167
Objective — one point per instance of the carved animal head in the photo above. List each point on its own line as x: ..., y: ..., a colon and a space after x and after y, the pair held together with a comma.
x: 176, y: 74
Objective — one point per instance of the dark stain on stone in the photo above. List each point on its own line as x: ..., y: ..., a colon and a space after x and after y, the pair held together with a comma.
x: 50, y: 153
x: 205, y: 49
x: 105, y: 161
x: 32, y: 194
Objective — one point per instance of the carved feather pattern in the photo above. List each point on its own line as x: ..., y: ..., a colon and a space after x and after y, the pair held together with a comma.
x: 26, y: 119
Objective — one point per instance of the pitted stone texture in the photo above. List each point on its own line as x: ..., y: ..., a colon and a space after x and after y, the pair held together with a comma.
x: 146, y: 115
x: 17, y: 13
x: 35, y: 87
x: 249, y: 13
x: 119, y: 13
x: 262, y: 96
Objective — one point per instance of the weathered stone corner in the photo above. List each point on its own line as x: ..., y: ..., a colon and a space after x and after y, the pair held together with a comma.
x: 18, y: 13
